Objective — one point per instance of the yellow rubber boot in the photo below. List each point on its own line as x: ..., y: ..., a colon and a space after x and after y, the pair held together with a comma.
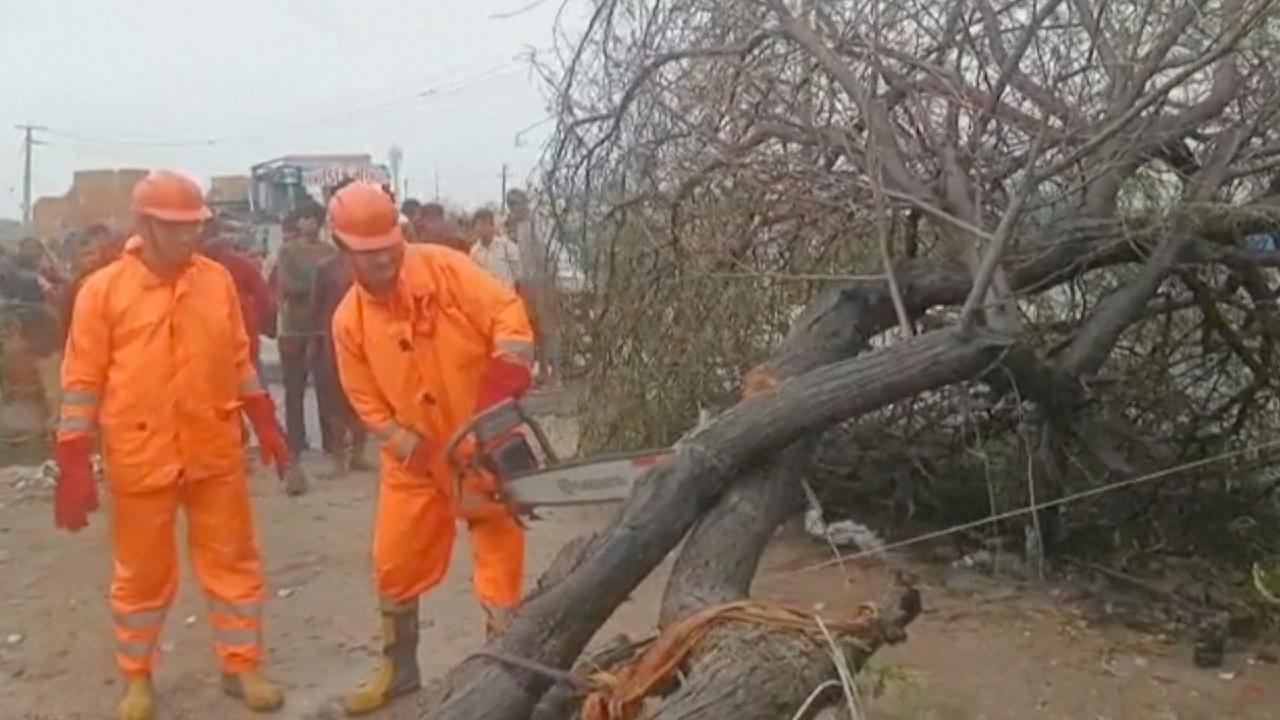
x: 254, y: 689
x: 138, y: 702
x: 397, y: 672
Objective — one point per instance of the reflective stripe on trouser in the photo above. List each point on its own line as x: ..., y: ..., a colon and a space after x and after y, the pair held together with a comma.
x: 237, y: 632
x: 223, y: 553
x: 136, y: 633
x: 413, y: 540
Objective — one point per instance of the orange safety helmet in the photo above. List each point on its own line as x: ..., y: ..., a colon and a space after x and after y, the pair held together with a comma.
x: 171, y: 197
x: 364, y: 217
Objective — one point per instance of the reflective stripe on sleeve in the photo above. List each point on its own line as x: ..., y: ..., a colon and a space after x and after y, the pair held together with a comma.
x: 80, y: 397
x: 250, y: 386
x: 405, y: 444
x: 402, y: 441
x: 514, y: 346
x: 74, y: 422
x: 386, y: 432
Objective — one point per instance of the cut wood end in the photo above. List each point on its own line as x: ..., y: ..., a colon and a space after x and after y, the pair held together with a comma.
x: 758, y: 381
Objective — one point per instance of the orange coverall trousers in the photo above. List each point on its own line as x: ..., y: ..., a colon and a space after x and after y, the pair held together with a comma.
x: 413, y: 542
x: 225, y: 558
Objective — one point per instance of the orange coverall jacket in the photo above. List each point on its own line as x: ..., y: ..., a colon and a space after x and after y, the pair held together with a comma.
x: 158, y: 369
x: 411, y: 366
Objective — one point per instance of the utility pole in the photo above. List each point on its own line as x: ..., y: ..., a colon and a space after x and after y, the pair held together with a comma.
x: 28, y: 141
x: 436, y: 172
x: 396, y: 157
x: 503, y: 200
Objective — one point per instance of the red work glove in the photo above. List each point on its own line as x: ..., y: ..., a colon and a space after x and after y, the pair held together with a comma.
x: 76, y: 495
x: 271, y: 445
x: 503, y: 378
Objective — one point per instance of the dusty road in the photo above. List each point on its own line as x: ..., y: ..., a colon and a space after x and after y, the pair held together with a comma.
x: 981, y: 650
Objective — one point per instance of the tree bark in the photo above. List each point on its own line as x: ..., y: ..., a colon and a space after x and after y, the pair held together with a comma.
x: 750, y: 672
x: 553, y: 627
x: 739, y: 670
x: 719, y: 559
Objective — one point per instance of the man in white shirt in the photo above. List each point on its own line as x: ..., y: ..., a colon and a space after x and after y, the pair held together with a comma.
x: 492, y: 252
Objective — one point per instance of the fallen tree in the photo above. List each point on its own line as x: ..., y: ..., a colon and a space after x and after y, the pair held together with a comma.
x: 1028, y: 222
x: 556, y: 621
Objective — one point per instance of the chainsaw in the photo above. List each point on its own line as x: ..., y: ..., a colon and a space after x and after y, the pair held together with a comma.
x: 510, y: 446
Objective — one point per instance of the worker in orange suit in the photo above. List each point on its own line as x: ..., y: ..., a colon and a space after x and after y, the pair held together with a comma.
x: 424, y: 340
x: 157, y: 367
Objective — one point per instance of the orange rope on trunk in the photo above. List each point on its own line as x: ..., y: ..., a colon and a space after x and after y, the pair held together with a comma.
x: 623, y: 693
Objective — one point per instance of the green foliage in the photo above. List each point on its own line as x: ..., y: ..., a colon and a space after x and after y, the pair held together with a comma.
x: 670, y: 328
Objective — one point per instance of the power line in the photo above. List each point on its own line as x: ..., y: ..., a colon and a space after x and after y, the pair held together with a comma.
x: 442, y: 89
x: 1034, y: 507
x: 385, y: 107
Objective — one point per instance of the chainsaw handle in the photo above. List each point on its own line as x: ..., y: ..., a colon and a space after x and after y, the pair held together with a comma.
x: 494, y: 422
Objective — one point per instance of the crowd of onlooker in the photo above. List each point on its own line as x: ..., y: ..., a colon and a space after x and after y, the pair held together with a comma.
x: 38, y: 282
x: 288, y: 295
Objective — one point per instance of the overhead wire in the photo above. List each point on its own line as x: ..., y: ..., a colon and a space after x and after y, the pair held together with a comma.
x: 1030, y: 508
x: 441, y: 89
x: 382, y: 107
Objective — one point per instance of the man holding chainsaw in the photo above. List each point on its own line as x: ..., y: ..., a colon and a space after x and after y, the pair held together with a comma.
x: 425, y: 339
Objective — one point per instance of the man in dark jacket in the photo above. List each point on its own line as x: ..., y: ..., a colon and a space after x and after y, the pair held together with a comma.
x: 333, y: 279
x: 296, y: 271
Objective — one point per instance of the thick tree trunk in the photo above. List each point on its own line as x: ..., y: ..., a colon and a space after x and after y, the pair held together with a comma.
x: 719, y: 559
x: 553, y: 627
x: 749, y: 672
x: 743, y: 671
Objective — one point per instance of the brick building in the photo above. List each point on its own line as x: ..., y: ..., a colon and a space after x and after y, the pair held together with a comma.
x: 96, y: 196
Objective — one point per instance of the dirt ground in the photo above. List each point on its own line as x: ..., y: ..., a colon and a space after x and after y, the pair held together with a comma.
x: 982, y: 650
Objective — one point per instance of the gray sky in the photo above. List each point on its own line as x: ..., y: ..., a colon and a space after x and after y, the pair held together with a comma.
x: 113, y: 79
